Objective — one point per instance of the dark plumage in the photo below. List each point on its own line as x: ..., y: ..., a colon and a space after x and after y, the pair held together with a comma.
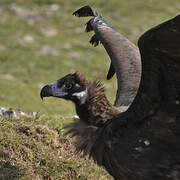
x: 143, y: 142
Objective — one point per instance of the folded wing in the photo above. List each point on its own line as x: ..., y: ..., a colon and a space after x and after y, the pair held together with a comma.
x: 159, y: 89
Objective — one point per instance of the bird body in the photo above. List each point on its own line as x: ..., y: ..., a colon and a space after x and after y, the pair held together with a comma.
x: 142, y: 142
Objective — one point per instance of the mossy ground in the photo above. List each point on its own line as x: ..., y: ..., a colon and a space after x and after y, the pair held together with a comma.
x: 30, y: 149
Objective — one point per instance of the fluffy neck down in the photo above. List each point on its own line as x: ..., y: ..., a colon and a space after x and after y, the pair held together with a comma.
x: 93, y: 107
x: 93, y: 113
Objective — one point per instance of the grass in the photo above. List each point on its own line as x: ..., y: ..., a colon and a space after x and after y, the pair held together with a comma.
x: 39, y: 43
x: 30, y: 148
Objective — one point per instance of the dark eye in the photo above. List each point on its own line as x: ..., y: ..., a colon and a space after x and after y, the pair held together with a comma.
x: 68, y: 86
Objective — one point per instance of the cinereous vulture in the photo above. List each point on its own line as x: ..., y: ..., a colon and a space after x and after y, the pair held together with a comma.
x: 143, y: 142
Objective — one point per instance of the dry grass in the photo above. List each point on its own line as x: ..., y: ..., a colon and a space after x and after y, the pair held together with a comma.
x: 29, y: 149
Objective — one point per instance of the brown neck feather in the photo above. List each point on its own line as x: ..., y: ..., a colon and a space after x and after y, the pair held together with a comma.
x: 96, y: 109
x: 99, y: 108
x: 93, y: 114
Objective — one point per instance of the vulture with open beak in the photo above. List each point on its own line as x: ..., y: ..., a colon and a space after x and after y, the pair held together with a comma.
x: 143, y: 142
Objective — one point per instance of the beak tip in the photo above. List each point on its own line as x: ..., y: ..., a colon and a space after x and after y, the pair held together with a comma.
x: 46, y: 91
x: 41, y: 95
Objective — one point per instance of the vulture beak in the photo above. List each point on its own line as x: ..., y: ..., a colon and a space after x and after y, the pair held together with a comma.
x: 52, y: 90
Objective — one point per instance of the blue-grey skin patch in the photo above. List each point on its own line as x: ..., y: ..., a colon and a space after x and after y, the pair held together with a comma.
x: 57, y: 92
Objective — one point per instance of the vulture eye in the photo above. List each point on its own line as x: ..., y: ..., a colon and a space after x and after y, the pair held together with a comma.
x: 68, y: 86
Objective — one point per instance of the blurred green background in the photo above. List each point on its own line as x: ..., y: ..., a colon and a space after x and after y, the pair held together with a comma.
x: 40, y: 41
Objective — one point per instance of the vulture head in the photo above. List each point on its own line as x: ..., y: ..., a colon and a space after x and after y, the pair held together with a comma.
x: 71, y: 87
x: 92, y: 106
x: 141, y: 142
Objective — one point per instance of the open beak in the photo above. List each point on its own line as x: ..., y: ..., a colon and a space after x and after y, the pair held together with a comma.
x: 52, y: 90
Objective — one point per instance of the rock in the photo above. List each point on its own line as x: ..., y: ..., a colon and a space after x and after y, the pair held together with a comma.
x: 47, y: 50
x: 49, y: 32
x: 15, y: 113
x: 7, y: 77
x: 53, y: 7
x: 2, y: 48
x: 27, y: 39
x: 29, y: 16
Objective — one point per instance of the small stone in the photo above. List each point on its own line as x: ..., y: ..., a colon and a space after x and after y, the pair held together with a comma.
x: 28, y: 39
x: 7, y: 77
x: 49, y: 32
x: 139, y: 149
x: 76, y: 117
x: 47, y: 50
x: 2, y: 48
x: 147, y: 143
x: 54, y: 7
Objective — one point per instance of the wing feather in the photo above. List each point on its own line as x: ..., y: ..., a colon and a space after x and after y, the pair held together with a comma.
x: 124, y: 55
x: 160, y: 83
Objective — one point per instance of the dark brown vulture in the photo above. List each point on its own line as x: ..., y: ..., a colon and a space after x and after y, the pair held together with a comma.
x: 143, y: 142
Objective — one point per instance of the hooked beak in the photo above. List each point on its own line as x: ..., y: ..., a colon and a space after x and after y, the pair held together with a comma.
x: 52, y: 90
